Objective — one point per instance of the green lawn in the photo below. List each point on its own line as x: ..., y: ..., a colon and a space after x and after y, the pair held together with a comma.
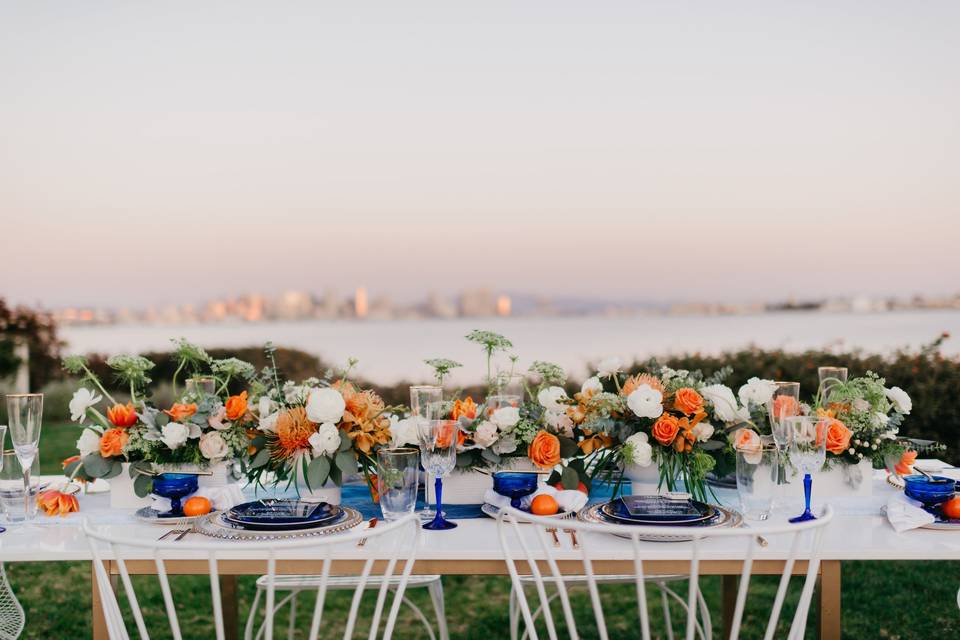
x: 880, y: 599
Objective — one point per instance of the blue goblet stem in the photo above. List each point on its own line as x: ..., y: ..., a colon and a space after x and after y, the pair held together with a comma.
x: 175, y: 506
x: 439, y: 523
x: 807, y: 489
x: 516, y: 504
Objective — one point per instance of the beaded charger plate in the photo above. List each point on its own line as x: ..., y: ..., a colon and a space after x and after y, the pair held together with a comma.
x: 725, y: 518
x: 151, y: 515
x: 216, y: 526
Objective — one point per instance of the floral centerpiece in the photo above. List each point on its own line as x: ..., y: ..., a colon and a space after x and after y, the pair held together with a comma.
x: 314, y: 433
x: 205, y: 426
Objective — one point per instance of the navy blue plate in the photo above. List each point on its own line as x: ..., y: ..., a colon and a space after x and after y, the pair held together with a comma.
x: 282, y: 514
x: 657, y: 510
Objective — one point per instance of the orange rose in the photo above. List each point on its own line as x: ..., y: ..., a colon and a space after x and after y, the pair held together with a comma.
x: 236, y: 406
x: 785, y: 407
x: 544, y: 451
x: 57, y: 503
x: 180, y: 412
x: 906, y: 461
x: 466, y: 408
x: 445, y: 434
x: 122, y: 415
x: 112, y: 442
x: 838, y: 436
x: 665, y: 429
x: 688, y: 401
x: 746, y: 439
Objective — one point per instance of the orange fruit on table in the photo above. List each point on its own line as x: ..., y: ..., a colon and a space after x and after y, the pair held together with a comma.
x: 951, y: 508
x: 544, y: 505
x: 196, y: 506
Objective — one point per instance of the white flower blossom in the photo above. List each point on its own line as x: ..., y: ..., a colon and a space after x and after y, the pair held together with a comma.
x: 646, y: 402
x: 325, y: 405
x: 637, y: 450
x: 326, y: 440
x: 88, y: 443
x: 486, y: 434
x: 213, y: 446
x: 174, y: 434
x: 724, y: 403
x: 82, y: 400
x: 403, y: 432
x: 506, y: 418
x: 592, y: 385
x: 608, y: 367
x: 757, y: 392
x: 550, y: 398
x: 703, y: 431
x: 901, y: 401
x: 265, y: 407
x: 506, y: 444
x: 560, y: 422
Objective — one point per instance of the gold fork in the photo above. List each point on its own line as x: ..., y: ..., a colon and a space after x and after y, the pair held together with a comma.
x: 573, y: 537
x: 556, y: 539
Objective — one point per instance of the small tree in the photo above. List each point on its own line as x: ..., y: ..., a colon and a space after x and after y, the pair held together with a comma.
x: 39, y: 332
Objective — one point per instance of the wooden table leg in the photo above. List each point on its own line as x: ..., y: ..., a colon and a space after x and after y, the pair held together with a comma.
x: 99, y: 622
x: 728, y: 588
x: 830, y: 627
x: 228, y: 596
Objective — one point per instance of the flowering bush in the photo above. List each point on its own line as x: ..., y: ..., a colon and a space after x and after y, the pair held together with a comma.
x: 205, y: 426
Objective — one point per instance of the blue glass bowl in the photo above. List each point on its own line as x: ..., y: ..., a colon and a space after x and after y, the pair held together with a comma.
x: 929, y: 493
x: 175, y: 486
x: 515, y: 485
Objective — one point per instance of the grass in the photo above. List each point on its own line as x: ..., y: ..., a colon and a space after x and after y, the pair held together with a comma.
x: 895, y: 600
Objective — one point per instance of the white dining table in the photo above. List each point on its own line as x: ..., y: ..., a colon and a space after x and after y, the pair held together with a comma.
x: 859, y: 532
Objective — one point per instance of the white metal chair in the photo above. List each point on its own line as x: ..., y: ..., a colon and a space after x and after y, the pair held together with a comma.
x: 298, y: 584
x: 11, y: 612
x: 529, y: 545
x: 394, y: 557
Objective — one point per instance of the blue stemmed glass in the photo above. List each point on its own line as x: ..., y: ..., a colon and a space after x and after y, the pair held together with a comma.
x: 515, y: 485
x: 808, y: 452
x: 438, y: 455
x: 175, y: 486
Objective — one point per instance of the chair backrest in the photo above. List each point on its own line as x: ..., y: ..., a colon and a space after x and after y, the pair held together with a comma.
x: 528, y: 539
x: 390, y: 555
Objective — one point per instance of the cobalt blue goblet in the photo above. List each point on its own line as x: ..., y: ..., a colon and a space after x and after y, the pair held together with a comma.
x: 175, y: 486
x: 515, y: 485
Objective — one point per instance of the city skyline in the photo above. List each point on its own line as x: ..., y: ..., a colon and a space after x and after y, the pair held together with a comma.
x: 156, y: 153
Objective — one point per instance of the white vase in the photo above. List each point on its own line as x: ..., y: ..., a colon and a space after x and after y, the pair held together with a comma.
x: 644, y: 481
x: 842, y: 479
x: 329, y: 492
x: 122, y: 495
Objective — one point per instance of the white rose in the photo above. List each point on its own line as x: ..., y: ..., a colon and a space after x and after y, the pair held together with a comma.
x: 326, y: 440
x: 637, y: 450
x: 900, y: 399
x: 506, y: 444
x: 703, y: 431
x: 403, y: 432
x: 265, y: 407
x: 82, y: 400
x: 559, y: 422
x: 646, y: 402
x: 724, y: 403
x: 174, y: 434
x: 550, y: 398
x: 506, y: 417
x: 88, y: 443
x: 485, y: 435
x: 325, y: 405
x: 592, y: 385
x: 608, y: 367
x: 757, y: 391
x: 213, y: 446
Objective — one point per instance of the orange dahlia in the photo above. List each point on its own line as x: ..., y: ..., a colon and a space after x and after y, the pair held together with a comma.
x: 293, y: 432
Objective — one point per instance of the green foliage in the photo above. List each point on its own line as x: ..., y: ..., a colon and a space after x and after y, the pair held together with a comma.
x: 549, y: 374
x: 38, y: 330
x: 441, y: 367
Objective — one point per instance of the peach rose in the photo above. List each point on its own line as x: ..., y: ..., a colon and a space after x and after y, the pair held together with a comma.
x: 785, y: 407
x: 748, y: 442
x: 906, y: 461
x: 838, y: 436
x: 665, y: 429
x: 688, y: 401
x: 181, y: 412
x: 236, y: 406
x: 57, y: 503
x: 465, y: 408
x: 544, y: 451
x: 121, y: 415
x: 113, y: 441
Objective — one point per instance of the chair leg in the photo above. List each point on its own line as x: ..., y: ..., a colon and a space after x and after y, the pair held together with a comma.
x: 252, y: 617
x: 292, y: 626
x: 515, y: 614
x: 665, y: 603
x: 436, y: 595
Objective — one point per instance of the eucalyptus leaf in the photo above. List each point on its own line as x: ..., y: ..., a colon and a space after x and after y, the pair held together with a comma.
x: 96, y: 466
x: 490, y: 456
x: 347, y: 462
x: 569, y: 478
x: 116, y: 468
x: 568, y: 448
x: 261, y: 459
x: 318, y: 471
x: 345, y: 443
x: 142, y: 486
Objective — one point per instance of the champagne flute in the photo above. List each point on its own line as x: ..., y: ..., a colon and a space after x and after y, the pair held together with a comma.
x: 784, y: 403
x: 808, y: 451
x: 25, y: 413
x: 438, y: 453
x: 422, y: 396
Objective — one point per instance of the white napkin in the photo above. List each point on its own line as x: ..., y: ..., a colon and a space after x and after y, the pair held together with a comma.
x: 569, y: 500
x: 905, y: 513
x: 220, y: 498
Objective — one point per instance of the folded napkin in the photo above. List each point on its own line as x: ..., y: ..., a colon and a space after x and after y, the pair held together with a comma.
x: 220, y: 498
x: 569, y: 500
x: 905, y: 513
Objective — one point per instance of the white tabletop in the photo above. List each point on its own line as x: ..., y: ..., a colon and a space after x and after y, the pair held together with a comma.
x: 858, y: 532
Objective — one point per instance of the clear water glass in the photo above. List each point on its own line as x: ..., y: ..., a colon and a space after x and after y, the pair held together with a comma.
x: 758, y: 475
x: 808, y: 452
x: 398, y: 472
x: 422, y: 396
x: 12, y: 503
x: 25, y: 413
x: 438, y: 454
x: 829, y: 378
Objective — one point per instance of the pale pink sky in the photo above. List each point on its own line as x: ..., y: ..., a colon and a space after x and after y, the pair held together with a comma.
x: 170, y: 152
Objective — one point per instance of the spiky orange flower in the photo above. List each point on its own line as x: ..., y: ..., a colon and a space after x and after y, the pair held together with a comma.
x: 293, y: 432
x: 465, y: 408
x: 363, y: 419
x: 633, y: 383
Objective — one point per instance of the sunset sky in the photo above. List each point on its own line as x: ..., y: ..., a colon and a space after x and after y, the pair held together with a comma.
x: 169, y: 152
